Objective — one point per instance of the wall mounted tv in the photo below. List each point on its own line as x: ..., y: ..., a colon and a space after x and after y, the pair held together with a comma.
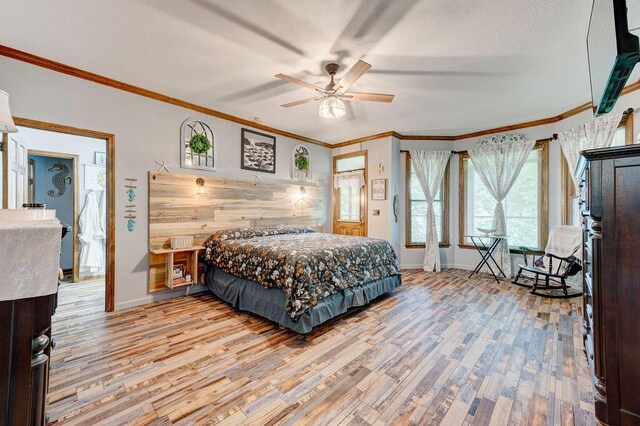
x: 613, y: 52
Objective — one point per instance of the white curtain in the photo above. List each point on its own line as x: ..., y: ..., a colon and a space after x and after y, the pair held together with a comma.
x: 498, y: 161
x: 430, y: 167
x: 346, y: 180
x: 597, y: 133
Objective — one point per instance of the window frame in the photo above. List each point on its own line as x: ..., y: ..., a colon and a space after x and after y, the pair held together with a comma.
x: 568, y: 189
x: 543, y: 201
x: 364, y: 205
x: 446, y: 184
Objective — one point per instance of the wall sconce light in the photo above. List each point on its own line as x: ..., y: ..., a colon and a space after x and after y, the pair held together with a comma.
x: 200, y: 183
x: 303, y: 194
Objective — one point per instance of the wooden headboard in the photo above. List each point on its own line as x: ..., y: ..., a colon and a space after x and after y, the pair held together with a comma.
x: 176, y: 208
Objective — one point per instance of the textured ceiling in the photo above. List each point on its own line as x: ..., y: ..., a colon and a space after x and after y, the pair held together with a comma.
x: 455, y: 66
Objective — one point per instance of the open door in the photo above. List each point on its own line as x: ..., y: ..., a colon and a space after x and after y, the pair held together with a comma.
x: 43, y: 167
x: 15, y: 186
x: 350, y: 197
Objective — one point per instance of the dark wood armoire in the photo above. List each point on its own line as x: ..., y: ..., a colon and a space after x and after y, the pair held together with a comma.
x: 610, y: 205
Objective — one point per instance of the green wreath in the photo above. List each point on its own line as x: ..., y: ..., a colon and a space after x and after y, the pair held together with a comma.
x: 302, y: 162
x: 199, y: 144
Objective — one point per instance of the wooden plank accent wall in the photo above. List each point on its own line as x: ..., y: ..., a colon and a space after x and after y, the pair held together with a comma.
x: 175, y: 208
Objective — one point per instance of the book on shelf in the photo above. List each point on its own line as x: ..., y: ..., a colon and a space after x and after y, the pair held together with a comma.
x: 178, y: 281
x: 178, y: 271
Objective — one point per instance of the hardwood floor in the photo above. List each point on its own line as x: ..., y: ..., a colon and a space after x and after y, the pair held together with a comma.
x: 79, y: 299
x: 441, y: 349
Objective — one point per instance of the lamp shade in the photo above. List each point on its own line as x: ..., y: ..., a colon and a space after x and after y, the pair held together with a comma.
x: 331, y: 107
x: 6, y: 120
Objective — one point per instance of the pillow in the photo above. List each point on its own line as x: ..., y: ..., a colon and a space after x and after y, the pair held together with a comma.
x: 244, y: 233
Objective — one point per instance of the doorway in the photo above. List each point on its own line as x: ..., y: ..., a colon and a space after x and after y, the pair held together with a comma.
x: 89, y: 160
x: 52, y: 181
x: 350, y: 194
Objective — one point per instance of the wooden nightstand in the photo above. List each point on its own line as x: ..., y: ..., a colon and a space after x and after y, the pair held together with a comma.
x: 190, y: 256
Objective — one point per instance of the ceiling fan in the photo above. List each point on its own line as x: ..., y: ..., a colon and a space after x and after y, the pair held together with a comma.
x: 331, y: 105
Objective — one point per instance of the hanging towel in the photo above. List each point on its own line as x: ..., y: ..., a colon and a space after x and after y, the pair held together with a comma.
x: 90, y: 236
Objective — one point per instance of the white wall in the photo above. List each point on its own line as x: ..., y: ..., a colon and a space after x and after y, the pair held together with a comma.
x: 145, y: 130
x: 387, y: 152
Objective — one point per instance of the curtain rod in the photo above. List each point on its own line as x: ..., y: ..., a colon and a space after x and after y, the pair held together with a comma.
x: 407, y: 151
x: 554, y: 136
x: 626, y: 112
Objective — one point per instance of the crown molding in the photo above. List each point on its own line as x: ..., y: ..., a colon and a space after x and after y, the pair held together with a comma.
x: 424, y: 137
x: 39, y: 61
x: 365, y: 139
x: 573, y: 111
x: 393, y: 133
x: 541, y: 122
x: 32, y: 59
x: 509, y: 128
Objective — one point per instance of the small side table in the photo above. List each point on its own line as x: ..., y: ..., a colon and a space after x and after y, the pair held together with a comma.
x: 192, y: 264
x: 486, y: 252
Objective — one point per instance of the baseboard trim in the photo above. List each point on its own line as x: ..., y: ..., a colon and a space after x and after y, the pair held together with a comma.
x: 170, y: 294
x: 159, y: 296
x: 448, y: 266
x: 410, y: 266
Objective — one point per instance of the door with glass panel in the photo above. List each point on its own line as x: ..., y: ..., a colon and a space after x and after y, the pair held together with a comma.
x: 350, y: 194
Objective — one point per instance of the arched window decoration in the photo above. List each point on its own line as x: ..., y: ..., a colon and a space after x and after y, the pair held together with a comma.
x: 301, y: 163
x: 190, y: 156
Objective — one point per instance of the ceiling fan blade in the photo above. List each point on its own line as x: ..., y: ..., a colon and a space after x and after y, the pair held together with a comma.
x: 304, y: 101
x: 300, y: 82
x: 352, y: 75
x: 373, y: 97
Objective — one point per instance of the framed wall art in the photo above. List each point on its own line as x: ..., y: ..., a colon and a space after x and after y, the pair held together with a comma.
x: 100, y: 158
x: 301, y: 163
x: 378, y: 189
x: 197, y: 145
x: 95, y: 177
x: 258, y: 152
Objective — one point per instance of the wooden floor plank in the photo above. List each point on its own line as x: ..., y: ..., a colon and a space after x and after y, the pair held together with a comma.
x: 441, y: 349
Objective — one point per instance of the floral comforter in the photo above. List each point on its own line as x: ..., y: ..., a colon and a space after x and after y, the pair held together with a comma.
x: 306, y: 265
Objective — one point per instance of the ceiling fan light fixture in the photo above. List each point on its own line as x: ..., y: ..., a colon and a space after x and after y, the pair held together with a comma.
x: 331, y: 107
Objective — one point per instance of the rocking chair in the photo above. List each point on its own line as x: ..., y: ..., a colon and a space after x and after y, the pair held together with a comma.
x: 564, y: 246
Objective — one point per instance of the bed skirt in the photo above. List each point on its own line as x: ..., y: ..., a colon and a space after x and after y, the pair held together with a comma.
x: 269, y: 303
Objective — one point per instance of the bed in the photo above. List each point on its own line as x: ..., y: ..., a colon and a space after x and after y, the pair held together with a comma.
x: 295, y: 276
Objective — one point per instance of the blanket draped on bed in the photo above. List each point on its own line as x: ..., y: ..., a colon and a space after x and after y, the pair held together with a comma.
x: 307, y: 266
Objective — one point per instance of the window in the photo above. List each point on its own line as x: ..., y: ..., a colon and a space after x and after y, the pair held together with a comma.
x: 526, y: 205
x: 349, y: 203
x: 622, y: 136
x: 416, y: 209
x: 350, y: 194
